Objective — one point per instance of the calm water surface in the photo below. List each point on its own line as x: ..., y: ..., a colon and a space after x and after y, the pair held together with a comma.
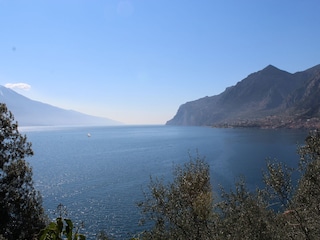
x: 100, y: 178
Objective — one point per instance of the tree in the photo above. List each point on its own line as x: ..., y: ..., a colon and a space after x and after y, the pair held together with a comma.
x: 21, y: 211
x: 304, y: 211
x: 182, y: 209
x: 300, y: 218
x: 245, y: 215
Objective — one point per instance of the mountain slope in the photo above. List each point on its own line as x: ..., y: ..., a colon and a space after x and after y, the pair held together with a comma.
x: 268, y: 92
x: 307, y: 98
x: 32, y: 113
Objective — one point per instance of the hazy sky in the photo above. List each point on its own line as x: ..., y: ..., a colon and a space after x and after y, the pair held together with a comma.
x: 137, y: 61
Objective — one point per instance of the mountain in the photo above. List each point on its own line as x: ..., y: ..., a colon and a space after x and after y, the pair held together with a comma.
x: 268, y: 98
x: 33, y: 113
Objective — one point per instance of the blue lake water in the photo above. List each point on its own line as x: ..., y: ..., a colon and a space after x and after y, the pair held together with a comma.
x: 100, y: 178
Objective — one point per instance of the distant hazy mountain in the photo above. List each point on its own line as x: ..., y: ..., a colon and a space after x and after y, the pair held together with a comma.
x: 267, y: 98
x: 33, y: 113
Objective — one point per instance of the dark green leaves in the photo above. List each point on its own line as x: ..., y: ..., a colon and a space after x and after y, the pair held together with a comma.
x: 21, y: 211
x: 59, y: 230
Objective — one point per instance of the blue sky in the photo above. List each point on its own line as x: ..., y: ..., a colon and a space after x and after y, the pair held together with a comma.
x: 137, y: 61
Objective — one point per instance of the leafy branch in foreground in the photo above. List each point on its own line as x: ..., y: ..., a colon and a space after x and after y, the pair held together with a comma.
x: 61, y: 229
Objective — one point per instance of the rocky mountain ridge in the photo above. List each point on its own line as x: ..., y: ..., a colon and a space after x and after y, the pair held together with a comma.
x: 269, y: 98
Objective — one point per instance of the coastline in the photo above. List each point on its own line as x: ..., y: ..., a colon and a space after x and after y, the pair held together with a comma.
x: 272, y: 122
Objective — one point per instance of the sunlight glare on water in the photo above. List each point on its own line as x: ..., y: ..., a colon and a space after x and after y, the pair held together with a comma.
x: 101, y: 178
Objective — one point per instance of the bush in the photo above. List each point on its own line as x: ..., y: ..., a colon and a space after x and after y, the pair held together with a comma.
x: 182, y: 209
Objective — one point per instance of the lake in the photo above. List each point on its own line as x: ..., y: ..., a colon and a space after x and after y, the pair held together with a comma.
x: 100, y: 173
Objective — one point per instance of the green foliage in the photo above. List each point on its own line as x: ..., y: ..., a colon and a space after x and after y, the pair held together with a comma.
x: 304, y: 211
x: 102, y: 235
x: 59, y: 230
x: 182, y: 209
x: 21, y: 212
x: 278, y: 181
x: 245, y: 215
x: 62, y: 228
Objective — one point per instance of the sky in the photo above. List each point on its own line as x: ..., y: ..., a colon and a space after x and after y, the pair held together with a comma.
x: 137, y: 61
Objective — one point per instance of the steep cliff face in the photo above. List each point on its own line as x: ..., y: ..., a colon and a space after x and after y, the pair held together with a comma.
x: 270, y: 91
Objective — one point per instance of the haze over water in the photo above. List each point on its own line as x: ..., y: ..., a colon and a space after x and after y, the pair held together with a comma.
x: 100, y: 178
